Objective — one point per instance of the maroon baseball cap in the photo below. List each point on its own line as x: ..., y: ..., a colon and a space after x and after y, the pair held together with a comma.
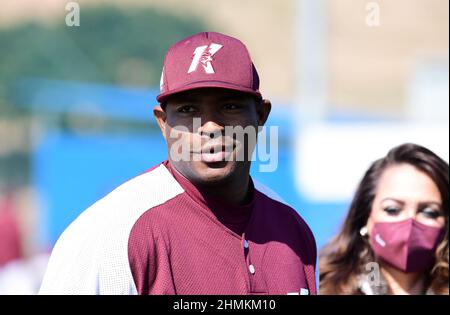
x: 208, y: 59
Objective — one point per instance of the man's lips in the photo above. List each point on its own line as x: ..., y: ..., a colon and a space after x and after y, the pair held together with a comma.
x: 212, y: 153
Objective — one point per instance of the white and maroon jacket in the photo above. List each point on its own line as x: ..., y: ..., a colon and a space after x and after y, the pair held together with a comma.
x: 158, y: 234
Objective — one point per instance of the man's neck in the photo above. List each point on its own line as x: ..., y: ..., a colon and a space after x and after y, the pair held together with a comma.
x: 233, y: 191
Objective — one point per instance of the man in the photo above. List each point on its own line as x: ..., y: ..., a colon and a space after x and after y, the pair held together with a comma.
x: 196, y: 223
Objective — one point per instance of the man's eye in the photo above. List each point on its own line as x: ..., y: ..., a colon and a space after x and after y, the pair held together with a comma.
x: 232, y: 106
x: 392, y: 210
x: 430, y: 213
x: 186, y: 109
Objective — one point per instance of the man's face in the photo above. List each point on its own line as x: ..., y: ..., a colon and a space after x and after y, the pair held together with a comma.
x: 204, y: 130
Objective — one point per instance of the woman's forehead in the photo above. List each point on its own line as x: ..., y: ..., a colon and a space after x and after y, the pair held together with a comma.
x: 406, y: 182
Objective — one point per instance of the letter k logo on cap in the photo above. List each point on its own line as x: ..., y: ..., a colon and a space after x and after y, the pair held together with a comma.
x: 203, y: 55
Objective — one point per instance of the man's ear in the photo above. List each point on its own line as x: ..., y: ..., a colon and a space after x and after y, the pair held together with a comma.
x: 161, y: 117
x: 263, y: 111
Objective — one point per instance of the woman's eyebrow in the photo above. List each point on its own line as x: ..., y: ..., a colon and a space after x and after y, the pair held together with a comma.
x: 393, y: 199
x: 422, y: 203
x: 427, y: 203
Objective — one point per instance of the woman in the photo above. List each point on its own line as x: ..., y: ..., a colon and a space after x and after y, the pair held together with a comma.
x: 395, y: 237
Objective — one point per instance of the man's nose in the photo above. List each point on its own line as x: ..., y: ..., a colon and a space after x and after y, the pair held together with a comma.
x: 211, y: 129
x: 211, y: 125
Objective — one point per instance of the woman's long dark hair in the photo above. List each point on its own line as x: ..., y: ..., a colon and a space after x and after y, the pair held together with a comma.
x: 342, y: 261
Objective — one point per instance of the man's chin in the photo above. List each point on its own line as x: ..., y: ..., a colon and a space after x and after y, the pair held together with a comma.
x: 215, y: 172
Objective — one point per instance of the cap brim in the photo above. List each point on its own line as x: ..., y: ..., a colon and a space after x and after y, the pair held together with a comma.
x: 207, y: 84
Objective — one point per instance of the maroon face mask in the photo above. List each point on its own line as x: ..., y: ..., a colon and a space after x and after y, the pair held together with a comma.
x: 406, y: 245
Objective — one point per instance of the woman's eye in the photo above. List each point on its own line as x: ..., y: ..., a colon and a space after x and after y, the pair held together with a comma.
x: 186, y: 109
x: 431, y: 213
x: 392, y: 210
